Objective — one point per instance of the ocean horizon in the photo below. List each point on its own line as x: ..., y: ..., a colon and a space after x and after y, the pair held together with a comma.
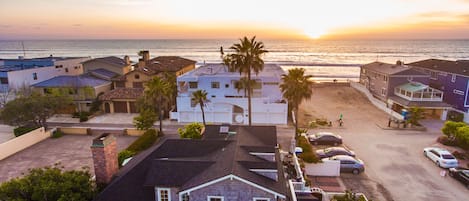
x: 325, y: 59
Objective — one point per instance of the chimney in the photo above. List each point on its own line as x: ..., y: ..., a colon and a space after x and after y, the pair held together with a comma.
x: 399, y: 62
x: 104, y: 150
x: 146, y: 55
x: 127, y: 60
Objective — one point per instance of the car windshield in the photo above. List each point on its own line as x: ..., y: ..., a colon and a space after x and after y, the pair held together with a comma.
x: 447, y: 156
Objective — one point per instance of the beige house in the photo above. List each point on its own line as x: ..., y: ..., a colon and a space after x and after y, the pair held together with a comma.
x: 112, y: 63
x: 83, y: 88
x: 130, y: 86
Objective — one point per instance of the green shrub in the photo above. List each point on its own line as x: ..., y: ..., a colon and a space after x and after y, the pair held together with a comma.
x: 124, y: 154
x: 348, y: 196
x: 309, y: 154
x: 191, y: 131
x: 57, y: 134
x: 462, y: 137
x: 23, y: 130
x: 144, y: 142
x: 83, y: 118
x: 450, y: 128
x: 313, y: 124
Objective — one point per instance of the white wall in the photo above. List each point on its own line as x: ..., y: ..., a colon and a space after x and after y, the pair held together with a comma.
x: 22, y: 142
x: 326, y: 168
x: 377, y: 103
x: 19, y: 78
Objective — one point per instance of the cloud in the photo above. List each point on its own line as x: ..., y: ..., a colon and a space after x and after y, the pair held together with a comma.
x: 77, y: 25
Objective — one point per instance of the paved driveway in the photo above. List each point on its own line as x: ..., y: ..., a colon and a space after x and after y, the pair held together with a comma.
x: 393, y: 158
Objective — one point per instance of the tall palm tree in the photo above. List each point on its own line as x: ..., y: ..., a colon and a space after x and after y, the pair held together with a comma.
x: 247, y: 58
x: 242, y: 84
x: 157, y: 91
x: 200, y: 96
x: 296, y: 87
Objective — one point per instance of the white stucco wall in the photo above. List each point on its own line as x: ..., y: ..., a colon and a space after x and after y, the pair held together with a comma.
x: 19, y: 78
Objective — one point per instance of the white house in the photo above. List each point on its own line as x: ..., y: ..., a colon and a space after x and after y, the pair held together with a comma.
x: 16, y: 73
x: 228, y: 104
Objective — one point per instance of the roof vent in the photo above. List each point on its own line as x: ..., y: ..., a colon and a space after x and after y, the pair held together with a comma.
x: 399, y: 62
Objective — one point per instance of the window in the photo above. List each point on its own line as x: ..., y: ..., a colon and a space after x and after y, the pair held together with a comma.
x: 385, y: 78
x: 137, y: 85
x: 227, y: 85
x: 4, y: 80
x: 164, y: 194
x: 193, y: 85
x: 433, y: 75
x: 383, y: 91
x: 261, y: 199
x: 35, y: 76
x: 66, y: 70
x: 215, y: 85
x: 453, y: 78
x: 215, y: 198
x: 137, y: 76
x: 120, y: 84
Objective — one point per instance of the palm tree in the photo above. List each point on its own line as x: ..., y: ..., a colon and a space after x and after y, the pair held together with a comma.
x: 296, y: 86
x: 247, y: 58
x: 242, y: 84
x: 200, y: 96
x: 157, y: 91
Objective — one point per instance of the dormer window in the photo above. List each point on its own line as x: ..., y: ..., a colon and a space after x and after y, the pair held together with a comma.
x: 163, y: 194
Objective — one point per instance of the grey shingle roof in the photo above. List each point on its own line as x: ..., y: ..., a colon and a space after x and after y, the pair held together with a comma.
x: 103, y: 73
x: 72, y: 81
x: 391, y: 69
x: 460, y: 67
x: 116, y: 61
x: 184, y: 163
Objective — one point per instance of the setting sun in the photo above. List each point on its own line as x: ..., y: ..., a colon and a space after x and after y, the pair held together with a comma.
x: 314, y: 34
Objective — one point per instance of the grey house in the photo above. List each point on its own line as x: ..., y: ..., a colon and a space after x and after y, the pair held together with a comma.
x: 228, y: 164
x: 381, y: 78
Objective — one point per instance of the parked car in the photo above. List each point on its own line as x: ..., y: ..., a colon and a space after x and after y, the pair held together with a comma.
x: 334, y: 151
x: 325, y: 138
x: 442, y: 157
x: 348, y: 163
x: 461, y: 174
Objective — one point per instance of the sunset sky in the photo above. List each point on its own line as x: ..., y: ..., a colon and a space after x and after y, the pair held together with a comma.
x: 152, y: 19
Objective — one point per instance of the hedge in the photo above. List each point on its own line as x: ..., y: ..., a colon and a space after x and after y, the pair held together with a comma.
x: 309, y: 154
x: 23, y: 130
x: 144, y: 142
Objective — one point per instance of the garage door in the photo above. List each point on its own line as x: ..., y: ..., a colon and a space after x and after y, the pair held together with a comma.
x: 120, y: 107
x: 133, y: 107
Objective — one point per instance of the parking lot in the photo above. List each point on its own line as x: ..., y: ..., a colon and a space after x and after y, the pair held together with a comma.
x: 394, y: 158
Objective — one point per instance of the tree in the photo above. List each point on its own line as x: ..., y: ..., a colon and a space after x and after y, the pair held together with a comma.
x: 191, y: 131
x: 296, y: 86
x: 157, y: 92
x: 247, y: 58
x: 200, y: 96
x: 242, y: 84
x: 50, y: 183
x: 145, y: 119
x: 415, y: 115
x: 34, y: 109
x: 450, y: 129
x: 348, y: 196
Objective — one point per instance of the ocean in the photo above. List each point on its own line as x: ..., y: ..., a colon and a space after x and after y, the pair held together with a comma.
x: 324, y: 59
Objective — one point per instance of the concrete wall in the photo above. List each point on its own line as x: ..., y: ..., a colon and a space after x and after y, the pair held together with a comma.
x: 22, y: 142
x: 75, y: 131
x: 231, y: 190
x: 133, y: 132
x: 326, y: 168
x: 377, y: 103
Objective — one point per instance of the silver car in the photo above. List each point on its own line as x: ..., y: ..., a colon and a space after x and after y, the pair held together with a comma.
x: 348, y: 163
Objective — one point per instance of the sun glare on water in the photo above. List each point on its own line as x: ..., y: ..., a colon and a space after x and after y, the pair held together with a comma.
x: 314, y: 34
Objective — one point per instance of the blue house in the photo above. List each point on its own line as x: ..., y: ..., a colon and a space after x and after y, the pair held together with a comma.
x: 451, y: 77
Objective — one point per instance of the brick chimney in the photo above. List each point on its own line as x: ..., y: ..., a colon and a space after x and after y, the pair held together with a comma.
x: 104, y: 150
x: 127, y: 60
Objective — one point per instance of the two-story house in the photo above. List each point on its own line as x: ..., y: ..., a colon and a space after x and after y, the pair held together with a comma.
x: 227, y: 99
x: 22, y: 72
x: 228, y: 164
x: 451, y: 77
x: 129, y: 87
x: 402, y: 86
x: 111, y: 63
